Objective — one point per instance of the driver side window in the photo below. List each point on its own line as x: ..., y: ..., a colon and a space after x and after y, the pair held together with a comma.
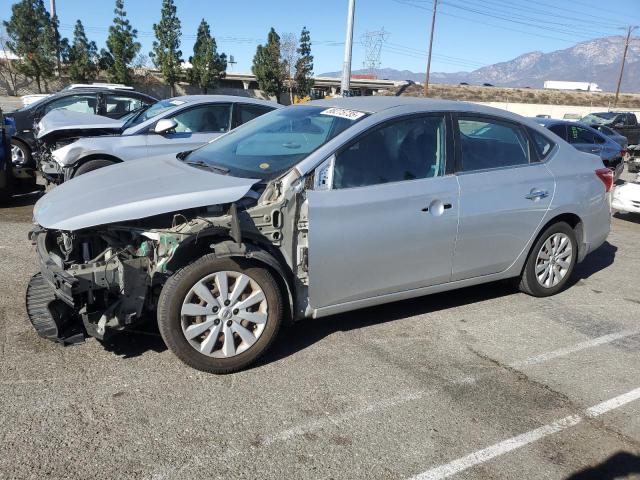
x: 203, y: 119
x: 406, y: 149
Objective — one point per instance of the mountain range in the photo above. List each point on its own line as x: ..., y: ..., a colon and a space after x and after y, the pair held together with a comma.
x: 595, y: 60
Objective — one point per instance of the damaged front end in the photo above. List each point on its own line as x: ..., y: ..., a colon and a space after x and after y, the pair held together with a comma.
x: 101, y: 280
x: 88, y: 282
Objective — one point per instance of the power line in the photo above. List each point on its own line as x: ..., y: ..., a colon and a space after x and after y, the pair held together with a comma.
x: 476, y: 22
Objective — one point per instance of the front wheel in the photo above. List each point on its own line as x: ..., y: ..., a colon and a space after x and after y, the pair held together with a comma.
x: 92, y: 165
x: 220, y: 315
x: 551, y: 261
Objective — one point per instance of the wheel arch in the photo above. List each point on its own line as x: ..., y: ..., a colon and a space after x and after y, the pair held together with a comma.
x: 95, y: 156
x: 574, y: 221
x: 218, y: 242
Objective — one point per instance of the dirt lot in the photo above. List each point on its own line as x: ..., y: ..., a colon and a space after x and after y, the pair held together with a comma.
x: 481, y: 383
x: 474, y: 93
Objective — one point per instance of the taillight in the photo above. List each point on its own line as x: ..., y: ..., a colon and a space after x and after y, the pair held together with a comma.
x: 623, y: 153
x: 606, y: 176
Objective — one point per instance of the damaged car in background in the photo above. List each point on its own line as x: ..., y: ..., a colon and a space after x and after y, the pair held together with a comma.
x: 309, y: 211
x: 73, y: 144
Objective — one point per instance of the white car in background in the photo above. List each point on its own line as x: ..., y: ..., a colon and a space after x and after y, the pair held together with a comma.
x: 626, y: 197
x: 171, y: 126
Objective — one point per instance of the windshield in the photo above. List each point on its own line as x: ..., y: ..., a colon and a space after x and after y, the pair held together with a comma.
x: 154, y: 110
x: 599, y: 118
x: 271, y: 144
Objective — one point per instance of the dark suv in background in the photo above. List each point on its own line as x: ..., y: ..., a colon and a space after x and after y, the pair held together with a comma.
x: 112, y: 102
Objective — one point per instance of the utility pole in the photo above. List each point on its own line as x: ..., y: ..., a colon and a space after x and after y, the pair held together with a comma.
x: 52, y: 8
x: 433, y: 24
x: 630, y: 30
x: 346, y: 66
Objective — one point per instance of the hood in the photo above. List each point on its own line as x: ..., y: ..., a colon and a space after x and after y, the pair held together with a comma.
x: 133, y: 190
x: 62, y: 119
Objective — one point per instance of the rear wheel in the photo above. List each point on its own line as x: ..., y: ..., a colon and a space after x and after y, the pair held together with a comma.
x: 92, y: 165
x: 551, y: 261
x: 220, y: 315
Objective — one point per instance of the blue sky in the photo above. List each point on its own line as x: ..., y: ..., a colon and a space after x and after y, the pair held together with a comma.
x: 468, y: 34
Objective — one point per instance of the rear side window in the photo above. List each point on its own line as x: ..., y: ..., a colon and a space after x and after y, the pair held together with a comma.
x: 541, y: 144
x: 560, y: 130
x: 248, y: 112
x: 406, y: 149
x: 119, y: 106
x: 580, y: 135
x: 489, y: 143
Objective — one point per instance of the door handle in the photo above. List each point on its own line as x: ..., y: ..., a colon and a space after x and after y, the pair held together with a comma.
x: 445, y: 206
x: 537, y: 194
x: 437, y: 208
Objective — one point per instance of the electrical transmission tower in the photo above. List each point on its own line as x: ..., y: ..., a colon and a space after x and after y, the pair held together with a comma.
x: 372, y: 42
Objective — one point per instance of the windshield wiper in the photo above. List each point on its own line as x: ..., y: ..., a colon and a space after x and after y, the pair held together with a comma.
x: 212, y: 168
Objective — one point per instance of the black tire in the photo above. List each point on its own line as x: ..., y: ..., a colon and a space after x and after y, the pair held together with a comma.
x: 92, y: 165
x: 174, y: 293
x: 528, y: 281
x: 26, y: 151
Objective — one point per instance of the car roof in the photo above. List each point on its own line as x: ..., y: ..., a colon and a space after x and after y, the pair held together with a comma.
x: 224, y: 99
x: 375, y: 104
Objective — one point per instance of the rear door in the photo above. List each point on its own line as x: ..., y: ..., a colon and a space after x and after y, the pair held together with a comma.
x: 196, y: 126
x: 389, y: 222
x: 504, y: 194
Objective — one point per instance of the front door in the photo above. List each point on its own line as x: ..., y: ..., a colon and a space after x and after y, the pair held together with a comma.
x: 196, y: 126
x: 504, y: 195
x: 389, y: 221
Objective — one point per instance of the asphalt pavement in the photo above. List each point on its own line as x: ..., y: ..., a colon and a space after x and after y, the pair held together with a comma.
x: 479, y: 383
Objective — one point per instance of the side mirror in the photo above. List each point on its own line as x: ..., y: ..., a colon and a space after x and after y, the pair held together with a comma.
x: 165, y: 125
x: 619, y: 125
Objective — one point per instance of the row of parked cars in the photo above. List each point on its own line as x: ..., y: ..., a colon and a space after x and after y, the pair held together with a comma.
x: 224, y: 217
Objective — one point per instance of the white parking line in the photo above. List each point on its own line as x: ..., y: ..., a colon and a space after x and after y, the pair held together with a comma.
x: 594, y: 342
x: 320, y: 423
x: 486, y: 454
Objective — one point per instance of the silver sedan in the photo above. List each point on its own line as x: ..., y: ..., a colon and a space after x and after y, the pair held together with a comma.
x: 313, y: 210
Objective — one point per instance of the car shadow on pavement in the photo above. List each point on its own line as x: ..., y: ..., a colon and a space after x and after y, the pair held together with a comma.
x: 628, y: 217
x: 305, y: 333
x: 133, y: 343
x: 618, y: 466
x: 596, y: 261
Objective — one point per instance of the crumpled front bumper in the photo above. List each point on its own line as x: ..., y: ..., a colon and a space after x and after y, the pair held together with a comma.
x: 61, y: 282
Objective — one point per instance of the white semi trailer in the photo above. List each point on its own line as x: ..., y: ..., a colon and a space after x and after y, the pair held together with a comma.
x: 560, y: 85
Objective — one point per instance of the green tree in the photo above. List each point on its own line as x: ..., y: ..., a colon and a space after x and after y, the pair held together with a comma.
x: 268, y: 68
x: 207, y: 66
x: 30, y: 37
x: 82, y: 56
x: 304, y: 65
x: 122, y: 46
x: 166, y: 53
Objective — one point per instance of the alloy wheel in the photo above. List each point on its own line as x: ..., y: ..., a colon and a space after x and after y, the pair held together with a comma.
x: 17, y: 155
x: 224, y: 314
x: 554, y: 260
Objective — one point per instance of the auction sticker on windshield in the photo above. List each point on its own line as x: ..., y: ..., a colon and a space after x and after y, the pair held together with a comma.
x: 343, y: 113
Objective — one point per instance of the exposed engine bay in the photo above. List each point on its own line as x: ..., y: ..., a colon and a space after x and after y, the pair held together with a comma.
x: 107, y: 278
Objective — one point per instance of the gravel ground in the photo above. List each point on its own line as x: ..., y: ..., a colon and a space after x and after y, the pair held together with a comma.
x: 452, y: 382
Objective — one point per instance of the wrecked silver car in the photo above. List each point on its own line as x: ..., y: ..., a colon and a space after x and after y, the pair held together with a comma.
x: 308, y: 211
